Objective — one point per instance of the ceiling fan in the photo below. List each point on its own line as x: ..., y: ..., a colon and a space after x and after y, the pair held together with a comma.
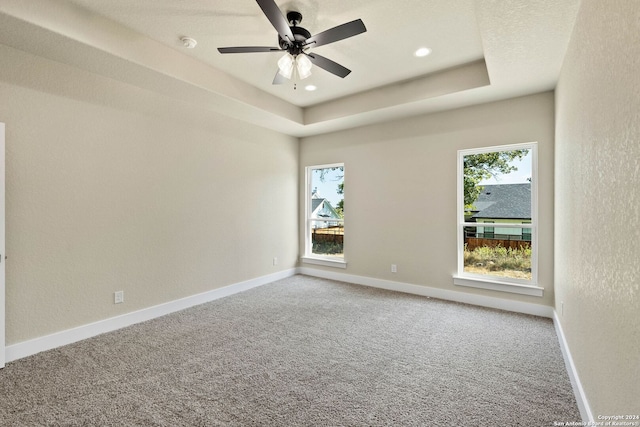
x: 297, y: 41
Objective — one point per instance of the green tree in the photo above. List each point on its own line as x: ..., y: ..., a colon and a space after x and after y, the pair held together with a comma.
x: 478, y: 167
x: 340, y: 206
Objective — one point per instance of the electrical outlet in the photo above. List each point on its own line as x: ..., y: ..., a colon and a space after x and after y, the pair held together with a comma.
x: 275, y: 260
x: 118, y: 297
x: 394, y: 268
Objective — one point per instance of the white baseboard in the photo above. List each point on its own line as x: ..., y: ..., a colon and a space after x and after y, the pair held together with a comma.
x: 481, y: 300
x: 578, y: 391
x: 58, y: 339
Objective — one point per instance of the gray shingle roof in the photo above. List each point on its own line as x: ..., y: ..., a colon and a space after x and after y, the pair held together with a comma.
x: 506, y: 201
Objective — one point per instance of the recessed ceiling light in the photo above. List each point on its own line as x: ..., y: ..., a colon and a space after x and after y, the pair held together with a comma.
x: 422, y: 52
x: 310, y: 88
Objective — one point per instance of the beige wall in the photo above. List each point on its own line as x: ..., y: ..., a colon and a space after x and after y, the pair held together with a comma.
x: 597, y: 203
x: 400, y: 188
x: 110, y: 187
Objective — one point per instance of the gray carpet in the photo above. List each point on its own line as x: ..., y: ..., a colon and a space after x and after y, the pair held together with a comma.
x: 302, y: 352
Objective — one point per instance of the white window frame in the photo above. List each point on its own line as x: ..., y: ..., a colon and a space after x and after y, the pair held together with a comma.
x: 309, y: 257
x: 505, y: 284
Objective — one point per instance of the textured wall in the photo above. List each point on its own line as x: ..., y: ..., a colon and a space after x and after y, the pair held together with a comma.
x: 598, y: 203
x: 110, y: 187
x: 400, y: 188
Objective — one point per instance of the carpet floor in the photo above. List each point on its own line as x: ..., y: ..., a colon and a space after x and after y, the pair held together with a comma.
x: 302, y: 351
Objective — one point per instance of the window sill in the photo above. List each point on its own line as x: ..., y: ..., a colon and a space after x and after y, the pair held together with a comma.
x: 498, y: 285
x: 324, y: 262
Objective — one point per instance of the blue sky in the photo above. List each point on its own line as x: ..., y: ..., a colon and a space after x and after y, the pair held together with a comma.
x: 328, y: 188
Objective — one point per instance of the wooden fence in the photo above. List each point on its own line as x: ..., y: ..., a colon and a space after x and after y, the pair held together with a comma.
x: 330, y: 234
x: 336, y: 235
x: 474, y: 242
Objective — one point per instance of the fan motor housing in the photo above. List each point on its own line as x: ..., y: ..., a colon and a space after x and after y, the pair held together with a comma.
x: 300, y: 34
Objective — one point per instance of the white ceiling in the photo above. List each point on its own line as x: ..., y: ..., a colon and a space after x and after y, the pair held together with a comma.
x: 482, y: 50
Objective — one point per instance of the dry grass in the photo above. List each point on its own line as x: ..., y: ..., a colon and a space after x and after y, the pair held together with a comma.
x: 499, y: 261
x: 513, y: 274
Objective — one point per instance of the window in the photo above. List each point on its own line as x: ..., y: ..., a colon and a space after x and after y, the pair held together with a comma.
x: 526, y: 232
x: 324, y: 235
x: 487, y: 232
x: 497, y: 195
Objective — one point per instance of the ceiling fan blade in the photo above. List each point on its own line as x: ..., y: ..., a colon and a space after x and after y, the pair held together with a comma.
x: 277, y: 19
x: 248, y: 49
x: 279, y: 79
x: 328, y: 65
x: 335, y: 34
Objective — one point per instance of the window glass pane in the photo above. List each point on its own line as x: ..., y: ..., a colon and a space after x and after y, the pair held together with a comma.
x: 497, y: 190
x: 492, y: 180
x: 502, y: 255
x: 326, y: 206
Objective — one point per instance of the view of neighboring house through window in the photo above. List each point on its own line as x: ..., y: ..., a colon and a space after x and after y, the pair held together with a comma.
x: 325, y: 212
x: 497, y: 186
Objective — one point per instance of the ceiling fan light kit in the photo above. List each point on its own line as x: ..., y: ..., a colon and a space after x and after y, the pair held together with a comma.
x: 285, y: 65
x: 296, y: 42
x: 303, y: 65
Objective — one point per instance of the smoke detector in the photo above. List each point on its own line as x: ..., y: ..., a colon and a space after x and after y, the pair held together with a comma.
x: 188, y: 42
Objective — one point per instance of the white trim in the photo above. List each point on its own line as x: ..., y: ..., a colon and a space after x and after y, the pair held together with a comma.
x: 535, y: 219
x: 506, y: 147
x: 324, y: 262
x: 2, y: 247
x: 498, y: 285
x: 480, y: 300
x: 58, y: 339
x: 497, y: 224
x: 578, y: 391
